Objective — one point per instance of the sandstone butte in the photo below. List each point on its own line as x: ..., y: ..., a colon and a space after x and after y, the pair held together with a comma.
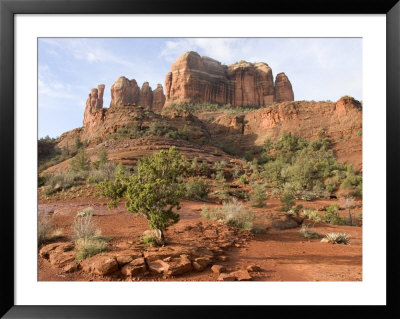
x: 341, y: 121
x: 194, y: 79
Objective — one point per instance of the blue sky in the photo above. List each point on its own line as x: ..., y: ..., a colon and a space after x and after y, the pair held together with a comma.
x: 318, y: 68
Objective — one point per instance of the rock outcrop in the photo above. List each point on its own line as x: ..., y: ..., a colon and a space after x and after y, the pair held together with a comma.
x: 124, y: 91
x: 195, y: 79
x: 283, y: 88
x: 146, y: 95
x: 158, y: 98
x: 94, y: 104
x: 127, y: 92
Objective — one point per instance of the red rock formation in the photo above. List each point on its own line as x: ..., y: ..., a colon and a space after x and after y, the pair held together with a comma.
x: 94, y: 103
x: 195, y: 79
x: 253, y: 83
x: 158, y: 98
x: 283, y: 88
x: 146, y: 95
x: 124, y: 91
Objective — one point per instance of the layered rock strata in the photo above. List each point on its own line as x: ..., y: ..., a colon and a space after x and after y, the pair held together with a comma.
x: 196, y: 80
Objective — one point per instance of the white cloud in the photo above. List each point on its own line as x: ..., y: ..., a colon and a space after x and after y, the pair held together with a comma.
x: 92, y: 51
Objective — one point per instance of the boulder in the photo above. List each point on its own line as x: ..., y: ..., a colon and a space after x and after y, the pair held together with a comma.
x: 241, y: 275
x: 45, y: 251
x: 226, y: 277
x: 60, y: 259
x: 100, y: 265
x: 179, y: 266
x: 218, y: 269
x: 135, y: 267
x: 157, y: 266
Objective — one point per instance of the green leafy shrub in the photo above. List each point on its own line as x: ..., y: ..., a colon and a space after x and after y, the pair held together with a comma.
x: 338, y: 238
x: 156, y: 187
x: 307, y: 232
x: 331, y: 215
x: 312, y: 215
x: 288, y: 201
x: 115, y: 189
x: 243, y: 180
x: 80, y: 162
x: 197, y: 189
x: 259, y: 196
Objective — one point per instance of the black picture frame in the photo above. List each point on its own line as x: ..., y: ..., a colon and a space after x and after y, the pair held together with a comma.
x: 8, y: 8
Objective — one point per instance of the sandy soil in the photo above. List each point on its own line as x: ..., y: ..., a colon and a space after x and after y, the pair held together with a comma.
x: 283, y: 255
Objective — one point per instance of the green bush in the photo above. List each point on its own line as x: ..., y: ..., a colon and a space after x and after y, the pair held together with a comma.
x: 80, y: 162
x: 311, y: 215
x: 307, y: 232
x: 243, y: 180
x: 331, y: 215
x: 197, y: 189
x: 259, y: 195
x: 288, y: 201
x: 155, y: 188
x: 114, y: 189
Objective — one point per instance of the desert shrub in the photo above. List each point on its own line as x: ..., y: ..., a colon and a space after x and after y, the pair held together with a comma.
x: 296, y: 210
x: 83, y: 227
x: 243, y: 180
x: 338, y: 238
x: 221, y: 187
x: 105, y: 171
x: 331, y: 215
x: 88, y: 211
x: 218, y: 166
x: 197, y: 189
x: 44, y: 228
x: 311, y: 215
x: 307, y: 232
x: 232, y: 213
x: 114, y: 189
x: 80, y: 162
x: 288, y: 201
x: 152, y: 238
x: 236, y: 171
x: 61, y: 181
x: 156, y: 187
x: 359, y: 133
x: 241, y: 194
x: 353, y: 181
x: 305, y: 165
x: 88, y: 247
x: 259, y: 195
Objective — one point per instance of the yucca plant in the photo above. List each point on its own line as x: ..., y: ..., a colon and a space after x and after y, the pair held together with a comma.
x: 338, y: 238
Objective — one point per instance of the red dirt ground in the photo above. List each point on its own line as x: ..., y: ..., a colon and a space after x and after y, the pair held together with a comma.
x: 283, y: 255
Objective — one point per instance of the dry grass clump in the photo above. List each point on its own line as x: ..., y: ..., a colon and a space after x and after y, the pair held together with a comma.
x: 232, y: 213
x: 88, y: 239
x: 44, y: 228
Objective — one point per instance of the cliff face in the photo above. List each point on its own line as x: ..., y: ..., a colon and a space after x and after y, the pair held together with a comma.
x: 195, y: 79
